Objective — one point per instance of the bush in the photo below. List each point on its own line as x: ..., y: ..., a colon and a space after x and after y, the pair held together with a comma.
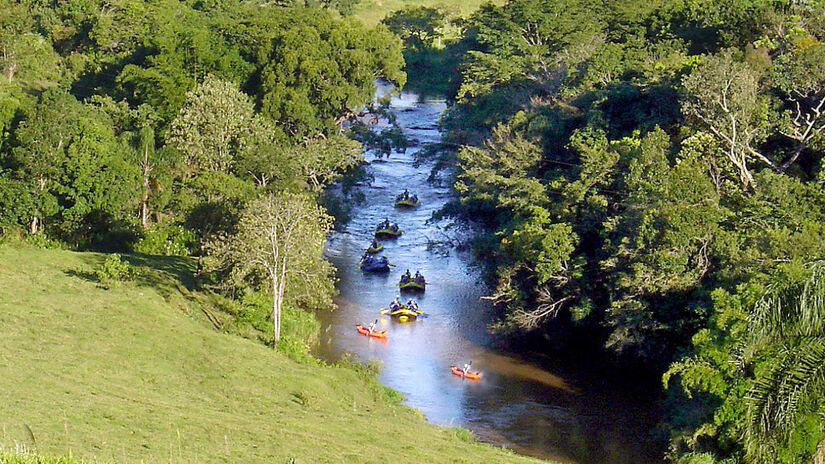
x: 296, y: 350
x: 299, y: 331
x: 255, y: 308
x: 174, y: 240
x: 252, y: 312
x: 41, y: 240
x: 115, y: 269
x: 301, y: 325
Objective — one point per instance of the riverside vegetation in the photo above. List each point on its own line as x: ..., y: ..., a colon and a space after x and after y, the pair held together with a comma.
x: 177, y: 133
x: 649, y: 176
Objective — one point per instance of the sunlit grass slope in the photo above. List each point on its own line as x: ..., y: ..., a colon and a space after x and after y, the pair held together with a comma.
x: 133, y: 374
x: 26, y: 457
x: 371, y: 12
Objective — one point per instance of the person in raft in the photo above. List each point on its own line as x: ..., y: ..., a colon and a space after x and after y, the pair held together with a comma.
x: 396, y: 303
x: 406, y: 194
x: 412, y: 304
x: 372, y: 326
x: 406, y: 276
x: 374, y: 244
x: 418, y: 276
x: 466, y: 368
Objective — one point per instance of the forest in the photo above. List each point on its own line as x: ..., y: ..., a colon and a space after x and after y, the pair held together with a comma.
x: 645, y: 175
x: 649, y: 175
x: 176, y: 128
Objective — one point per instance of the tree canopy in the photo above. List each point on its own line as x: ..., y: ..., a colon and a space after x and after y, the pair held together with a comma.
x: 642, y: 173
x: 160, y: 126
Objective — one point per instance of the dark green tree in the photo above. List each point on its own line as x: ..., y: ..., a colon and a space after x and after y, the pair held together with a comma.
x: 317, y: 72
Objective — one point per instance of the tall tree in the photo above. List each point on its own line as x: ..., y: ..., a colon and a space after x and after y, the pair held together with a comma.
x: 317, y: 72
x: 68, y: 154
x: 278, y: 237
x: 419, y: 27
x: 144, y: 145
x: 790, y: 319
x: 722, y: 95
x: 800, y: 77
x: 215, y: 126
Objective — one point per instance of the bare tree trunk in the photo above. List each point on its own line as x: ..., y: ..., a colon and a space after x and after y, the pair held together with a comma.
x: 36, y: 221
x: 144, y: 207
x: 144, y: 196
x: 277, y: 295
x: 819, y: 456
x: 12, y: 66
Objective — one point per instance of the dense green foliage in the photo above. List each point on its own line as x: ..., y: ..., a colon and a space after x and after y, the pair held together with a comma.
x: 645, y: 173
x: 151, y: 126
x: 425, y: 30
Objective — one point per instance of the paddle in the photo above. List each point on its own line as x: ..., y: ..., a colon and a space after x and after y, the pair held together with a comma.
x: 469, y: 364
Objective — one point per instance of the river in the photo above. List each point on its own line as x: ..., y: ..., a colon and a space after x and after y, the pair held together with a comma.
x: 564, y: 409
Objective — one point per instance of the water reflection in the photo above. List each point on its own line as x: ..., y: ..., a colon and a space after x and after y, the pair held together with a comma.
x: 563, y: 414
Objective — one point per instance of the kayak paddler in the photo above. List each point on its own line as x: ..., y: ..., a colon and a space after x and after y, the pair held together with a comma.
x: 466, y: 368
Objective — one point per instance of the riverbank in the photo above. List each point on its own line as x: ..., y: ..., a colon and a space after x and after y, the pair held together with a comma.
x: 137, y: 373
x: 564, y: 409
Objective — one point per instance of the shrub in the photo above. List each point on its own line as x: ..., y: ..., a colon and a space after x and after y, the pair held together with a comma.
x: 41, y: 240
x: 174, y: 240
x: 296, y: 350
x: 115, y: 269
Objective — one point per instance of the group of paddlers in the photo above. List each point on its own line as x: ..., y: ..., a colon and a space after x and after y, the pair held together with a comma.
x: 386, y: 225
x: 407, y: 277
x: 411, y: 304
x: 405, y: 196
x: 410, y: 282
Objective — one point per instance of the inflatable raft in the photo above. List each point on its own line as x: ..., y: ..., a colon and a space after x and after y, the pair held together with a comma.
x: 468, y: 375
x: 375, y: 333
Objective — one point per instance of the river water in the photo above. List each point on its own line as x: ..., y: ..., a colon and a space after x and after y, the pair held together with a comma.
x: 564, y: 409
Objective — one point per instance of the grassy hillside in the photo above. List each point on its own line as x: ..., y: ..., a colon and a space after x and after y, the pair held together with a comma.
x: 371, y: 12
x: 132, y: 373
x: 18, y: 457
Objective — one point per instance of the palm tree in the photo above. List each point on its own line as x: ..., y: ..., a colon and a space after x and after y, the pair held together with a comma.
x: 789, y: 321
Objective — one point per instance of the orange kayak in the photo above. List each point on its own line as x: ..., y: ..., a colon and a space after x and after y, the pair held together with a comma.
x: 469, y: 375
x: 375, y: 333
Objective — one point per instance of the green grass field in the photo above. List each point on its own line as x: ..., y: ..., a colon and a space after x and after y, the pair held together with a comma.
x: 26, y: 457
x: 135, y: 374
x: 371, y: 12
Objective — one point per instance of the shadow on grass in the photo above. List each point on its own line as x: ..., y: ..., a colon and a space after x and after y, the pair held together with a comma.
x: 180, y: 268
x: 168, y: 275
x: 82, y: 274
